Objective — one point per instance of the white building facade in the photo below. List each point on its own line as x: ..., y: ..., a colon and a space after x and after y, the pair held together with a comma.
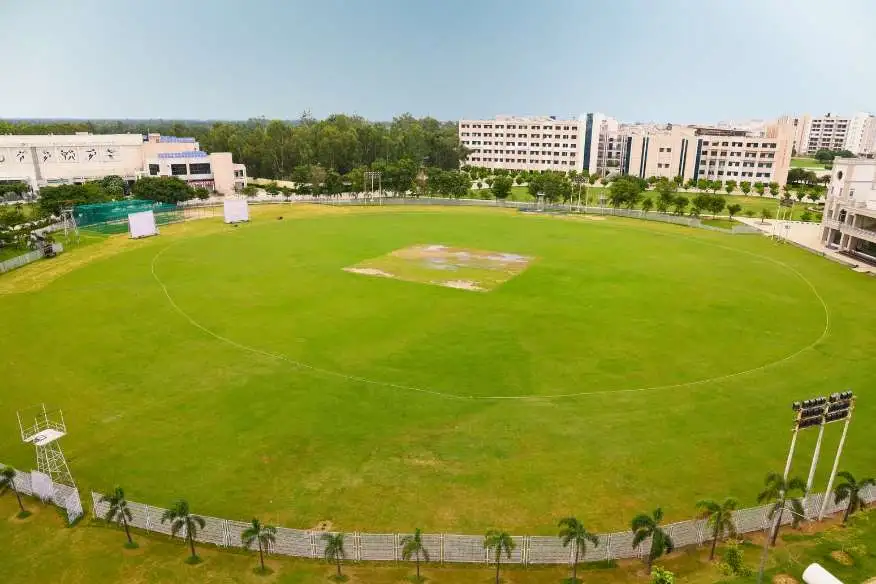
x: 48, y: 160
x: 849, y: 221
x: 855, y: 133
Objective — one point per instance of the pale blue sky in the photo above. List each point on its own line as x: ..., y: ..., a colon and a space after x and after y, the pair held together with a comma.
x: 638, y: 60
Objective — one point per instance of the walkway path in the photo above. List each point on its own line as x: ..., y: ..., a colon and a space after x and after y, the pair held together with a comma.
x: 807, y: 235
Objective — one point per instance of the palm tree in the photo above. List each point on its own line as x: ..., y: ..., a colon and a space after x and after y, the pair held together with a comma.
x: 573, y: 532
x: 181, y: 518
x: 412, y: 545
x: 498, y: 542
x: 334, y: 548
x: 719, y: 516
x: 851, y: 490
x: 644, y: 526
x: 262, y: 534
x: 647, y: 204
x: 777, y: 489
x: 118, y: 510
x: 7, y: 481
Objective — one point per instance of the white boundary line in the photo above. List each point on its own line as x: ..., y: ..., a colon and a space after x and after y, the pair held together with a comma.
x: 397, y: 386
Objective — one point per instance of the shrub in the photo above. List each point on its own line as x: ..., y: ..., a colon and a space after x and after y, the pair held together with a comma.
x: 748, y: 212
x: 733, y: 563
x: 806, y: 216
x: 661, y: 576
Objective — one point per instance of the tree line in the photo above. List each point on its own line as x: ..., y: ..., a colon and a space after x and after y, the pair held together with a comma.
x: 274, y: 149
x: 783, y: 495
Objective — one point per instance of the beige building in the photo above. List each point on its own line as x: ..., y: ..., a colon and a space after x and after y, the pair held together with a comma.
x: 696, y: 152
x: 849, y: 221
x: 62, y: 159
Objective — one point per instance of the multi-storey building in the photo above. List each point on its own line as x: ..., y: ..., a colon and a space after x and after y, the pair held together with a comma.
x: 861, y: 136
x: 696, y: 152
x: 856, y: 133
x: 57, y: 159
x: 599, y: 145
x: 525, y: 143
x: 849, y: 220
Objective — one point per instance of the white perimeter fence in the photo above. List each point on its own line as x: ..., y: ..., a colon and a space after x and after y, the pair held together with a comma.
x: 40, y: 485
x: 442, y: 547
x: 450, y: 548
x: 27, y: 258
x: 347, y: 200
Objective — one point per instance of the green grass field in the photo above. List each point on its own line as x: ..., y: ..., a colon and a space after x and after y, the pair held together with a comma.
x: 803, y: 162
x: 41, y: 549
x: 631, y: 365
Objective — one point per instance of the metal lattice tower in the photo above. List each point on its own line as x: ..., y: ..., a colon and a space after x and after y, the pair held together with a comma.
x: 69, y: 222
x: 45, y: 433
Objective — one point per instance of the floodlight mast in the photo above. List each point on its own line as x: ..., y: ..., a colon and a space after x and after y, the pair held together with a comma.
x: 839, y: 451
x: 818, y: 411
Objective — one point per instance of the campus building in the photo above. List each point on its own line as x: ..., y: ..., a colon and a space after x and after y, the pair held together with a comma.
x: 849, y: 220
x: 700, y: 152
x: 62, y: 159
x: 855, y: 133
x: 525, y: 143
x: 599, y: 145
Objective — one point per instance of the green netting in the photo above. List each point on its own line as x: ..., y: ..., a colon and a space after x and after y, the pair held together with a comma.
x: 112, y: 217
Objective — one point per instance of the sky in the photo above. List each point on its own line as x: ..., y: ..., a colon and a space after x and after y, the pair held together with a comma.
x: 636, y: 60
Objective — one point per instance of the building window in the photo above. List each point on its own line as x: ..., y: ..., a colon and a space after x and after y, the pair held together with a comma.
x: 200, y: 168
x: 178, y: 169
x: 153, y: 169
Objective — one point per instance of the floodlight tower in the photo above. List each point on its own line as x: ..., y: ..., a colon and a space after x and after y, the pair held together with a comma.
x: 45, y: 432
x: 372, y: 176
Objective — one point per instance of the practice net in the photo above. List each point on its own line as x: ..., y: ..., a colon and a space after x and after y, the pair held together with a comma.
x: 112, y: 217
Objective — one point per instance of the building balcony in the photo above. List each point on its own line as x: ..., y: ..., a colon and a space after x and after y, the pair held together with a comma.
x: 858, y: 232
x: 831, y: 223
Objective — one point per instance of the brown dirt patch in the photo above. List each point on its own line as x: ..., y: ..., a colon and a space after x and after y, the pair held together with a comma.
x: 33, y: 509
x: 842, y: 557
x: 784, y: 579
x: 324, y: 525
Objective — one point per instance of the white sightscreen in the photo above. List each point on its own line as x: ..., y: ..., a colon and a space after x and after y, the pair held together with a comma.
x: 142, y: 224
x: 236, y: 210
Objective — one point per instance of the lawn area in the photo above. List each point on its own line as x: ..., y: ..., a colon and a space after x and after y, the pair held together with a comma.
x: 718, y: 222
x: 42, y: 549
x: 244, y: 369
x: 802, y: 162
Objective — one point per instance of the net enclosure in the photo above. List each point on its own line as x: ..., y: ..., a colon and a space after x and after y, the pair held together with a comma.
x: 112, y: 217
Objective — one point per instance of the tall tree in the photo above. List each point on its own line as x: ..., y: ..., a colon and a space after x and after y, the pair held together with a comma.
x: 573, y: 532
x: 334, y: 549
x: 851, y: 489
x: 263, y: 535
x: 719, y: 516
x: 162, y: 189
x: 498, y: 542
x: 7, y: 481
x: 118, y: 510
x: 501, y: 187
x: 646, y: 526
x: 412, y: 546
x: 779, y: 492
x: 181, y: 518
